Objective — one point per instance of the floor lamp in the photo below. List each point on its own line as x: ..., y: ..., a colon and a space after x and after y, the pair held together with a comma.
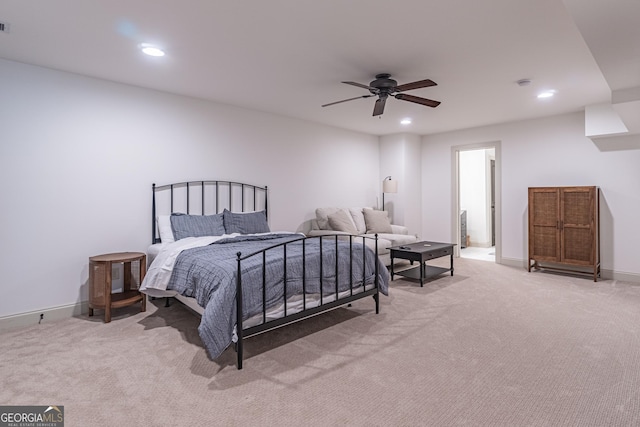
x: 388, y: 186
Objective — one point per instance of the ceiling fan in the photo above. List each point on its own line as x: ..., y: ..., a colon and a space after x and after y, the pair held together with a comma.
x: 384, y: 85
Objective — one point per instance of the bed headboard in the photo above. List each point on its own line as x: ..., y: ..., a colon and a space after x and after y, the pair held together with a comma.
x: 205, y: 198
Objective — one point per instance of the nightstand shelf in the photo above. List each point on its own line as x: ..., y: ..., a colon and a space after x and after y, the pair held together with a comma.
x: 100, y: 282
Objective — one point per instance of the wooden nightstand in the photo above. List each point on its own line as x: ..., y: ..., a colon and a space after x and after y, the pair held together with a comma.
x: 100, y: 295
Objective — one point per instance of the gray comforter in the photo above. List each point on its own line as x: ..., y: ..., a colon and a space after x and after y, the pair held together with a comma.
x: 208, y: 274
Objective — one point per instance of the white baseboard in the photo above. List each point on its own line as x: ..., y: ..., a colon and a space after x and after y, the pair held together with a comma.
x: 604, y: 273
x: 513, y: 262
x: 48, y: 315
x: 620, y: 275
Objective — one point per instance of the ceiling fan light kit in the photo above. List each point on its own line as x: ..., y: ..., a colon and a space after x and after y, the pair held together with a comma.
x: 384, y: 85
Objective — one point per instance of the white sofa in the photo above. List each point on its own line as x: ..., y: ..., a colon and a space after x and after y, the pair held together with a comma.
x: 362, y: 221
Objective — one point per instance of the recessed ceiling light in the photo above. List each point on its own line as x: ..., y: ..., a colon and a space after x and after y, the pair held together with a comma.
x: 547, y: 94
x: 406, y: 121
x: 151, y: 50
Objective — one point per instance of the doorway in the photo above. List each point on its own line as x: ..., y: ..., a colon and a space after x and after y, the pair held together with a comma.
x: 477, y: 201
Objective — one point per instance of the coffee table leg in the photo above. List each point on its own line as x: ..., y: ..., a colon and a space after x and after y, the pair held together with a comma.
x: 391, y: 268
x: 423, y: 267
x: 452, y: 263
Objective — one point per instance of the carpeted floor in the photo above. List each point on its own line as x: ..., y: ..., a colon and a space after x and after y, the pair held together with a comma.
x: 490, y: 346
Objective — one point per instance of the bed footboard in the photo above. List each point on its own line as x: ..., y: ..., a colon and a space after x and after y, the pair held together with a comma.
x: 344, y: 292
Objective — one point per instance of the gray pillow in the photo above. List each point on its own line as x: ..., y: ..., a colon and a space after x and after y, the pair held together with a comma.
x: 377, y: 221
x: 341, y: 221
x: 246, y: 222
x: 184, y: 225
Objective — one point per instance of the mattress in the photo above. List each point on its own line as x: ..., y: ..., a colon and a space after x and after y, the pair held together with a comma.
x: 152, y: 252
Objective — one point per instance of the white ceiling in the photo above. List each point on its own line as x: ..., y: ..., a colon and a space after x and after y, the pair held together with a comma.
x: 288, y: 57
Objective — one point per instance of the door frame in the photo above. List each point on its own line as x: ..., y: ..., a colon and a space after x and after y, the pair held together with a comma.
x: 455, y: 179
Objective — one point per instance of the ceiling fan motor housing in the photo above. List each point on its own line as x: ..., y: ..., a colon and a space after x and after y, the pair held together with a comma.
x: 384, y: 84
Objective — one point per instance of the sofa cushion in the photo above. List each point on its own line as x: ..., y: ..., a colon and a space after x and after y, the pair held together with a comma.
x: 399, y: 229
x: 383, y: 244
x: 398, y: 239
x: 322, y: 217
x: 342, y: 221
x: 358, y: 219
x: 377, y: 221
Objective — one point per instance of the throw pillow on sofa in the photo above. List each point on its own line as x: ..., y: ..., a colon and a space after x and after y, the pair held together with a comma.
x: 342, y: 221
x: 377, y: 221
x: 358, y: 219
x: 322, y: 218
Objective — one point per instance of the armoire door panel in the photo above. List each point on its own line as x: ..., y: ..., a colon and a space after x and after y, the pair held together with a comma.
x: 577, y: 246
x: 545, y: 243
x: 545, y: 208
x: 577, y: 207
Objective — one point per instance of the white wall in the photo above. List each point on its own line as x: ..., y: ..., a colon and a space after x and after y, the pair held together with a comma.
x: 545, y: 152
x: 78, y: 157
x: 400, y: 158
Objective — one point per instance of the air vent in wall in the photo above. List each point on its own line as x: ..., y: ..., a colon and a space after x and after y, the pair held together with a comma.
x: 4, y: 27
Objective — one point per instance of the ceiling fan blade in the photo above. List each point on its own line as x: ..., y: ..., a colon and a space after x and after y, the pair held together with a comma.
x: 415, y: 85
x: 378, y: 109
x: 345, y: 100
x: 417, y: 100
x: 362, y: 86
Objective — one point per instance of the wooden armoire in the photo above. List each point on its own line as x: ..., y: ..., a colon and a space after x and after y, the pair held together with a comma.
x: 564, y: 229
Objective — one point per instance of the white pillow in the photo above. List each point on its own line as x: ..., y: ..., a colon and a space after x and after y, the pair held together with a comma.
x: 377, y: 221
x: 322, y: 217
x: 342, y: 221
x: 358, y: 220
x: 164, y: 229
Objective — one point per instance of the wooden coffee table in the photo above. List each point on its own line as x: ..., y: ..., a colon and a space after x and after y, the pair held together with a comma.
x: 422, y: 252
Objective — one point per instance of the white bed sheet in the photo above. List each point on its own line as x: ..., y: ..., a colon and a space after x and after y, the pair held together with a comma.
x: 153, y: 251
x: 164, y: 258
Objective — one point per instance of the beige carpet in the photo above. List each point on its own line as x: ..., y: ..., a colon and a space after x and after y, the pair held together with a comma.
x: 490, y: 346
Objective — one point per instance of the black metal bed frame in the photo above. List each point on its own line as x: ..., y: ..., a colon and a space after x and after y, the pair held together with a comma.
x: 216, y: 187
x: 286, y: 319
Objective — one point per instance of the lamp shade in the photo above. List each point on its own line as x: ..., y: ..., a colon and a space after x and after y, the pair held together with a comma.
x: 389, y: 186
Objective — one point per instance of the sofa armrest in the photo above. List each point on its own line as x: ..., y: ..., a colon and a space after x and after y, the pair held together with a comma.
x: 399, y: 229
